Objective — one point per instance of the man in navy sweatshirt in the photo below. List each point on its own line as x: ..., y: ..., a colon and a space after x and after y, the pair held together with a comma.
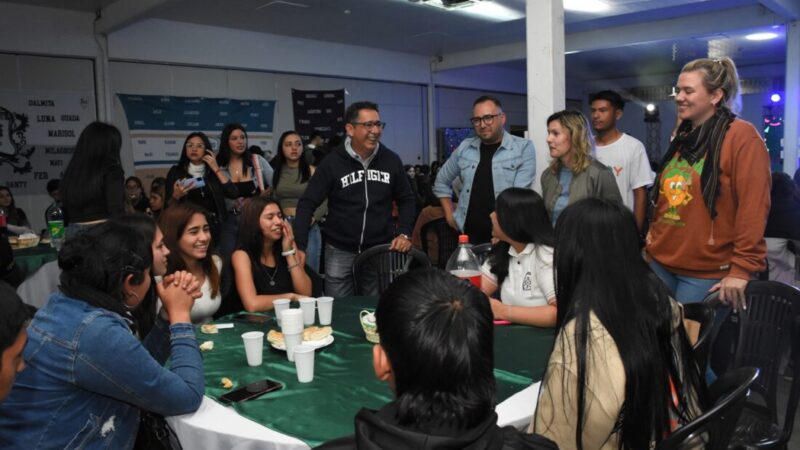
x: 360, y: 179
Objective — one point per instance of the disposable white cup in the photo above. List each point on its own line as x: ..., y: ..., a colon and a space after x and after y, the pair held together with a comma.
x: 325, y: 306
x: 292, y: 341
x: 280, y: 305
x: 308, y: 305
x: 253, y: 347
x: 304, y: 363
x: 291, y: 321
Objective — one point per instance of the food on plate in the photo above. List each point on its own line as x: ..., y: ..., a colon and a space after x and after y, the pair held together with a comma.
x: 226, y: 382
x: 313, y: 333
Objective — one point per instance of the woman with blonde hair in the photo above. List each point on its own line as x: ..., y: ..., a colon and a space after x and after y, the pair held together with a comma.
x: 711, y: 194
x: 573, y: 174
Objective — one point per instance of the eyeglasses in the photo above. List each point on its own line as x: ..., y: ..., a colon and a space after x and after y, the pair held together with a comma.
x: 371, y: 125
x: 487, y: 119
x: 190, y: 146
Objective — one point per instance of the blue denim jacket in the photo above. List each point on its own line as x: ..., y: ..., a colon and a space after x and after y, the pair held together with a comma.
x: 87, y: 376
x: 513, y: 165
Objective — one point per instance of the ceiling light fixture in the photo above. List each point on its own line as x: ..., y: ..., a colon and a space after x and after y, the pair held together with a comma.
x: 485, y: 9
x: 588, y: 6
x: 761, y: 36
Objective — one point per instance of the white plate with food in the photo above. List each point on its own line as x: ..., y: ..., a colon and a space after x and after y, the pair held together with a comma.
x: 317, y: 337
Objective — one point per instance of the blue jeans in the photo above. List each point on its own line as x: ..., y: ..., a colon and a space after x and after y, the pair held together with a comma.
x: 684, y: 289
x: 339, y: 274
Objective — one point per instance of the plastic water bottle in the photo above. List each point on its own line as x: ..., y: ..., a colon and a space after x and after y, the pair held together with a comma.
x: 55, y: 223
x: 463, y: 263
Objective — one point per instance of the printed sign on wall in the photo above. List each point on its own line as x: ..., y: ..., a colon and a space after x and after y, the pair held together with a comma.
x: 159, y: 125
x: 318, y: 111
x: 38, y: 132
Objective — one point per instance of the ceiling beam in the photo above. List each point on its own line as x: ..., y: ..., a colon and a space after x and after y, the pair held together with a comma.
x: 704, y: 24
x: 124, y: 12
x: 789, y: 9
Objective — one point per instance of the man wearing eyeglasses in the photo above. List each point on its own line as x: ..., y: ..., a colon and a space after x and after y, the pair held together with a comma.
x: 360, y: 179
x: 488, y: 163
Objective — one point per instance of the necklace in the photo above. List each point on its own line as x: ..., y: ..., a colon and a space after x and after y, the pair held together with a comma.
x: 274, y: 272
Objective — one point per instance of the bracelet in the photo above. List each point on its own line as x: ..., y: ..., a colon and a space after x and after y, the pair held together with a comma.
x: 293, y: 266
x: 289, y: 252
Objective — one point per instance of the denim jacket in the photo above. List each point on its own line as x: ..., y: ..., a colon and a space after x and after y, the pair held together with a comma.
x: 513, y: 165
x: 87, y: 376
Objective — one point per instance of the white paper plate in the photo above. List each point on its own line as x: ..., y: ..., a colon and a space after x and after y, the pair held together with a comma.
x: 316, y: 344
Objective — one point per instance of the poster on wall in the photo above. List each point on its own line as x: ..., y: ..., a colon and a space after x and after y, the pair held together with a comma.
x: 38, y: 132
x: 159, y: 124
x: 318, y: 111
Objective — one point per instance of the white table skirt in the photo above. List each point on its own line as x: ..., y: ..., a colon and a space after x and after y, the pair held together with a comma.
x: 214, y: 426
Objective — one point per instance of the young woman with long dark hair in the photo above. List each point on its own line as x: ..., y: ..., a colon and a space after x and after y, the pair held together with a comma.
x: 93, y: 188
x: 266, y: 266
x: 573, y: 173
x: 135, y: 194
x: 290, y: 179
x: 15, y: 217
x: 521, y: 262
x: 621, y: 374
x: 187, y: 234
x: 236, y: 161
x: 198, y: 161
x: 87, y: 374
x: 711, y: 195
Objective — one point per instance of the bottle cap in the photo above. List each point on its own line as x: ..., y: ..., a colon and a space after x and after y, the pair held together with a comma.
x: 463, y: 239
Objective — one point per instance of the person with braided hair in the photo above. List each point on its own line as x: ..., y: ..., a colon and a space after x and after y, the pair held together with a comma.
x: 711, y: 197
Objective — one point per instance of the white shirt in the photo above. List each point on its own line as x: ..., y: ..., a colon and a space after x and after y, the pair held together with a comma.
x: 530, y: 277
x: 627, y: 159
x: 206, y: 306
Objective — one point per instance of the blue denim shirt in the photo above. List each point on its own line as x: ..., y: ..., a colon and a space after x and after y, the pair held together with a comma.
x: 87, y: 376
x: 513, y: 165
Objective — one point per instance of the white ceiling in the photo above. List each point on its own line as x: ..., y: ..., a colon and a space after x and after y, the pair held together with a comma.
x: 401, y: 25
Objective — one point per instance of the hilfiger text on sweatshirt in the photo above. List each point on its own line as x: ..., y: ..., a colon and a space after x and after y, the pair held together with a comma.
x: 372, y: 175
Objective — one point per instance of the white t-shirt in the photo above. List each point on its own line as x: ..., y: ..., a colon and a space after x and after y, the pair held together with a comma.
x: 530, y: 277
x: 206, y: 306
x: 627, y: 158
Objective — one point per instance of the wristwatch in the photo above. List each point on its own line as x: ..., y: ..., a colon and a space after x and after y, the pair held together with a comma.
x: 404, y: 236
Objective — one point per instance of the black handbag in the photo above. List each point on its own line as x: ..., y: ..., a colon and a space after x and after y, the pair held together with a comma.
x: 155, y: 433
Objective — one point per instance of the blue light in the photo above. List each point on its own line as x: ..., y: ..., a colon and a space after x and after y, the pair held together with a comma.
x: 775, y: 97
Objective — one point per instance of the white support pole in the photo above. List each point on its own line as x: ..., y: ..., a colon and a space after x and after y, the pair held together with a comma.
x: 791, y: 113
x: 433, y: 119
x: 544, y: 23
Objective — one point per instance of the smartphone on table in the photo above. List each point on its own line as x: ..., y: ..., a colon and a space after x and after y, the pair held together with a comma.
x: 250, y: 391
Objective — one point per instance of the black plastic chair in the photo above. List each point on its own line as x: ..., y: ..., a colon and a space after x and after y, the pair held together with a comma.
x: 703, y: 314
x: 758, y: 337
x: 387, y: 264
x: 713, y: 429
x: 481, y: 251
x: 447, y: 239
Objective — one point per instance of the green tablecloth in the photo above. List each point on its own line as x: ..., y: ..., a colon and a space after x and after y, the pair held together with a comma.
x: 343, y: 378
x: 30, y: 259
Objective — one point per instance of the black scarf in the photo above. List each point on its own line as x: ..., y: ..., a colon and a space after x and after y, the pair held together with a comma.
x: 693, y: 145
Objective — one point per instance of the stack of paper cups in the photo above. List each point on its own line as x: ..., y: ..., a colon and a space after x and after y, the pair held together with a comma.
x: 280, y: 305
x: 292, y: 328
x: 325, y: 306
x: 308, y: 305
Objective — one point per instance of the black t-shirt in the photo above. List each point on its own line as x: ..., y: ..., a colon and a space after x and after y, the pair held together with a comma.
x: 477, y: 224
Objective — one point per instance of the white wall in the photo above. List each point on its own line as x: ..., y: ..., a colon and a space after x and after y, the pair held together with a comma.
x: 46, y: 31
x: 401, y: 104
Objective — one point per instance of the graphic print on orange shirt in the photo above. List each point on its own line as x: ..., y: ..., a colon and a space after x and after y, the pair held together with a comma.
x: 675, y: 186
